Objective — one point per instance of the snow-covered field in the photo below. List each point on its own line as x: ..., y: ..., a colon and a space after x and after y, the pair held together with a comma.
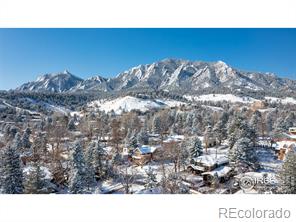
x: 237, y: 99
x: 221, y: 97
x: 129, y: 103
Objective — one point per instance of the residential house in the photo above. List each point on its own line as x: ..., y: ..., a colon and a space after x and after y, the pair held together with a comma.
x: 284, y: 143
x: 143, y: 154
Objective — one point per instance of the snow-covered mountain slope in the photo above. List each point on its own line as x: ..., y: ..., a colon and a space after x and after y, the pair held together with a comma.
x: 50, y: 107
x: 129, y: 103
x: 55, y: 82
x: 96, y: 83
x: 168, y: 75
x: 4, y: 104
x: 176, y: 74
x: 221, y: 97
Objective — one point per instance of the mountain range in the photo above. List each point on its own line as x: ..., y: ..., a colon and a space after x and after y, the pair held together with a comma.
x: 168, y: 74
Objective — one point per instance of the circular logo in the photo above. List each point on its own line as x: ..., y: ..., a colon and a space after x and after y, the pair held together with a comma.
x: 246, y: 183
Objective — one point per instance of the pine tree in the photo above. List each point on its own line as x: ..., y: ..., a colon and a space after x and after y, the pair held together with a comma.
x: 196, y: 148
x: 269, y: 122
x: 143, y: 137
x: 90, y: 168
x: 151, y: 181
x: 35, y: 182
x: 242, y: 156
x: 26, y: 138
x: 12, y: 178
x: 71, y: 125
x: 133, y: 143
x: 255, y: 120
x: 157, y: 125
x: 287, y: 174
x: 96, y: 156
x: 17, y: 141
x: 78, y: 172
x: 220, y: 131
x: 239, y: 128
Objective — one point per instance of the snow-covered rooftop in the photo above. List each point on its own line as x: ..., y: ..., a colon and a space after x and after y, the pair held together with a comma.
x: 211, y: 159
x: 147, y: 149
x: 220, y: 171
x: 174, y: 138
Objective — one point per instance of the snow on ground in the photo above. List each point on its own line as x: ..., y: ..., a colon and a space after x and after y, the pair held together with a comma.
x: 110, y: 187
x: 266, y: 110
x: 79, y: 114
x: 17, y: 108
x: 54, y: 108
x: 214, y: 108
x: 268, y: 160
x: 223, y: 149
x: 287, y: 100
x: 170, y: 103
x: 211, y: 159
x: 57, y: 109
x: 221, y: 97
x: 174, y: 138
x: 129, y: 103
x: 220, y: 171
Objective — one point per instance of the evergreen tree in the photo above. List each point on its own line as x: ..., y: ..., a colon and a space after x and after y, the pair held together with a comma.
x: 157, y: 125
x: 255, y: 120
x: 90, y: 167
x: 269, y: 122
x: 95, y: 158
x: 220, y: 131
x: 239, y: 128
x: 287, y: 174
x: 151, y: 181
x: 133, y: 143
x: 26, y: 138
x: 196, y: 148
x: 242, y: 156
x: 77, y: 183
x: 143, y: 137
x: 71, y: 125
x: 17, y: 141
x: 12, y: 176
x: 35, y: 182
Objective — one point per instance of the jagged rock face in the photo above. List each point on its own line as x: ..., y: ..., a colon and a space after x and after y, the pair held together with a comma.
x: 57, y: 82
x: 168, y: 74
x: 186, y: 75
x: 96, y: 83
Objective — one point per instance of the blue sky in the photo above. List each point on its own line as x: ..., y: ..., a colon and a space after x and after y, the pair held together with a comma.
x: 28, y: 53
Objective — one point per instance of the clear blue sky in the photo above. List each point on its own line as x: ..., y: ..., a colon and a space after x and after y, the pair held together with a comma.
x: 27, y: 53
